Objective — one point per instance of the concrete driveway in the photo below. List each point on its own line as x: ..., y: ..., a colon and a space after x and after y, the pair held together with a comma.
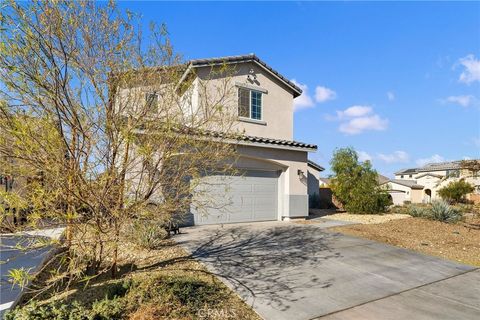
x: 297, y: 271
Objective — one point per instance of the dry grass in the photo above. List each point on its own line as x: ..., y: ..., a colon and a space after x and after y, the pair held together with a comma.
x: 459, y: 242
x: 146, y: 268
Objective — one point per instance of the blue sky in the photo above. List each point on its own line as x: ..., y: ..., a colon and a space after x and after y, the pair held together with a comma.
x: 399, y: 82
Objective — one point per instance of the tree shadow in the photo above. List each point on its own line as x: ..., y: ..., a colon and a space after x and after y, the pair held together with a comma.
x: 264, y: 263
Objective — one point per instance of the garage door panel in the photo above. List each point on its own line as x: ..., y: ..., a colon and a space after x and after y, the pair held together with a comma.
x: 252, y: 197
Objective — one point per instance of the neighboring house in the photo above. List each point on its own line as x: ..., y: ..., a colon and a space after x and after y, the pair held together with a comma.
x: 313, y: 177
x: 274, y: 184
x: 420, y: 185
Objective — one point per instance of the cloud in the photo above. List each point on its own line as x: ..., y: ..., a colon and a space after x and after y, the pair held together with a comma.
x: 304, y: 101
x: 390, y: 96
x: 354, y: 111
x: 323, y: 94
x: 464, y: 101
x: 364, y: 156
x: 397, y: 156
x: 361, y: 124
x: 471, y: 73
x: 433, y: 159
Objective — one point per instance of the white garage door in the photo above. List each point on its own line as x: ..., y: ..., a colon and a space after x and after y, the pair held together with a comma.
x: 253, y: 196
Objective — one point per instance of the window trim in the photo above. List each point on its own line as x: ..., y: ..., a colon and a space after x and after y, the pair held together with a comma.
x: 249, y: 118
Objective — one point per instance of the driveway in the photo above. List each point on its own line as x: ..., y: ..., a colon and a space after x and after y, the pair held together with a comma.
x: 302, y: 271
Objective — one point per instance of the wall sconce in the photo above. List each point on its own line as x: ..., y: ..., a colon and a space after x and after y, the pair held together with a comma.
x: 300, y: 173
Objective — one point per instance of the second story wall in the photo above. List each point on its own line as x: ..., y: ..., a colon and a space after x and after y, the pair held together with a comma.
x: 270, y: 99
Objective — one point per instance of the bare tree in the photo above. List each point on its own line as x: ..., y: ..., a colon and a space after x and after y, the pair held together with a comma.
x: 110, y: 125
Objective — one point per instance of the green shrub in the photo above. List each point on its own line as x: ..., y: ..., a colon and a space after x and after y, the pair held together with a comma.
x: 456, y: 191
x: 442, y: 211
x: 355, y: 184
x: 52, y: 311
x: 418, y: 212
x: 106, y: 309
x: 147, y: 234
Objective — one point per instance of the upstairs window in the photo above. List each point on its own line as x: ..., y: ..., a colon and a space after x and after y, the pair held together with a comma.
x: 453, y: 173
x: 151, y: 102
x: 249, y: 104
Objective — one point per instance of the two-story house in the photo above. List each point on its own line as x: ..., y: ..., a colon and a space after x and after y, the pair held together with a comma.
x: 421, y: 185
x: 274, y: 180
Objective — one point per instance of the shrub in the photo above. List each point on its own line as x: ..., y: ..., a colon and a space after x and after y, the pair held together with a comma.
x: 418, y: 212
x: 52, y: 311
x: 355, y: 184
x: 442, y: 211
x: 177, y: 296
x: 439, y: 211
x: 147, y: 234
x: 456, y: 191
x: 106, y: 309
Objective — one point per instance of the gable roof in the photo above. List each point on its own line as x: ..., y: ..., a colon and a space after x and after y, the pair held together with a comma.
x: 197, y: 63
x: 314, y: 165
x: 381, y: 179
x: 429, y: 174
x: 407, y: 183
x: 438, y: 166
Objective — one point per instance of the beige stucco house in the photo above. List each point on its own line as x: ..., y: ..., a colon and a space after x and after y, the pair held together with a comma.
x: 420, y: 185
x: 274, y: 184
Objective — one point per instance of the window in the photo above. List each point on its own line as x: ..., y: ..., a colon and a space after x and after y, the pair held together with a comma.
x: 410, y: 176
x: 249, y: 104
x: 453, y: 173
x: 401, y: 176
x: 151, y: 101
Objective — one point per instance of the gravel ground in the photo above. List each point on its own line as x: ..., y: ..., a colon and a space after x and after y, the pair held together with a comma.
x: 459, y: 242
x: 367, y: 218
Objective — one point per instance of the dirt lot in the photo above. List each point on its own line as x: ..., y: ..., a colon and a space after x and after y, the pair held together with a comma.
x: 459, y: 242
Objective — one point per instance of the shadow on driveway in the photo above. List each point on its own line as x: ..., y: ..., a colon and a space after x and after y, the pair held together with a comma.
x: 293, y: 271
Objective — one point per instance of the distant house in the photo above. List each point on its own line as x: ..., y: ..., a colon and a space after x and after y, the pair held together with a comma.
x: 421, y: 185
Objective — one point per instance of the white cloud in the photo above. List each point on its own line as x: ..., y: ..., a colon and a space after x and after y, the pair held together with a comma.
x: 390, y: 96
x: 472, y: 69
x: 364, y: 156
x: 354, y: 111
x: 323, y: 94
x: 464, y: 101
x: 397, y: 156
x: 361, y: 124
x: 304, y: 101
x: 433, y: 159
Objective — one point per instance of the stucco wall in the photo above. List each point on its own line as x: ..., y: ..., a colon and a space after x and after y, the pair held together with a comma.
x: 277, y: 101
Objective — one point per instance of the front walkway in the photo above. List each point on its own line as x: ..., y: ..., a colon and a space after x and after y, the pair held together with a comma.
x: 302, y: 271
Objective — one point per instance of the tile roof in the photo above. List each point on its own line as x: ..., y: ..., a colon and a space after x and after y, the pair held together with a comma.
x: 315, y: 165
x: 246, y: 58
x: 281, y: 142
x: 438, y: 166
x: 407, y: 183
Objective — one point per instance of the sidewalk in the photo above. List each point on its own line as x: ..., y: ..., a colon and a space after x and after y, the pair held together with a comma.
x: 12, y: 257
